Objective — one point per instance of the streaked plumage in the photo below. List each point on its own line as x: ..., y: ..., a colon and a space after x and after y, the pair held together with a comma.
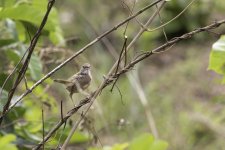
x: 78, y: 82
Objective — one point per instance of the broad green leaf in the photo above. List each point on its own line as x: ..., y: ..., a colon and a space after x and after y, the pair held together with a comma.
x: 120, y: 146
x: 142, y: 142
x: 30, y: 136
x: 13, y: 55
x: 5, y: 42
x: 17, y: 113
x: 147, y: 142
x: 3, y: 99
x: 114, y: 147
x: 35, y: 16
x: 217, y: 57
x: 35, y: 67
x: 20, y: 13
x: 9, y: 83
x: 6, y: 142
x: 79, y: 137
x: 159, y: 145
x: 40, y: 3
x: 33, y: 112
x: 7, y: 3
x: 21, y: 31
x: 56, y: 37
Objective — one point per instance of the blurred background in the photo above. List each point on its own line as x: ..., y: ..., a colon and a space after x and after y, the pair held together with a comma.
x: 171, y: 95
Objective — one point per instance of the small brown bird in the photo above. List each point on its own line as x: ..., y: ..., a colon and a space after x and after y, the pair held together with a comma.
x: 78, y: 82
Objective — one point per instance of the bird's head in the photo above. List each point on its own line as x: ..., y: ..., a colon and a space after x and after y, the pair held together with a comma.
x: 85, y: 69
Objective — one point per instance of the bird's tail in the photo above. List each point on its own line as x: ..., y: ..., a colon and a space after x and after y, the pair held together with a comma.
x: 61, y: 81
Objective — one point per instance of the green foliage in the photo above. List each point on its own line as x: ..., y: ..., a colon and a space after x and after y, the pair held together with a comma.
x: 142, y: 142
x: 114, y: 147
x: 147, y: 142
x: 3, y: 100
x: 170, y: 100
x: 217, y: 57
x: 6, y: 142
x: 25, y: 20
x: 18, y: 21
x: 35, y: 67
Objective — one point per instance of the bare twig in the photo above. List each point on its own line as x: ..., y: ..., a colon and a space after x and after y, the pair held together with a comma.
x: 160, y: 18
x: 119, y: 59
x: 25, y: 82
x: 130, y: 13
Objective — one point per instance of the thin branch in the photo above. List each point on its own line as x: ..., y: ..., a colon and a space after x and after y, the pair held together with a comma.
x: 160, y: 18
x: 130, y: 13
x: 121, y: 96
x: 119, y: 59
x: 25, y: 82
x: 121, y: 52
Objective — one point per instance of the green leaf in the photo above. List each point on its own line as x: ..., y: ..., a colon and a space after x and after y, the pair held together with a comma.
x: 5, y: 42
x: 120, y: 146
x: 114, y: 147
x: 9, y: 84
x: 7, y: 3
x: 147, y: 142
x: 34, y: 14
x: 33, y: 112
x: 143, y: 142
x: 3, y: 99
x: 21, y: 31
x: 18, y: 113
x: 6, y: 142
x: 13, y: 55
x: 217, y: 57
x: 80, y: 137
x: 20, y: 13
x: 35, y: 67
x: 29, y: 135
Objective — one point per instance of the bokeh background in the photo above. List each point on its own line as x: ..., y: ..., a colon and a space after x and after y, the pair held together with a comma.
x: 173, y: 90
